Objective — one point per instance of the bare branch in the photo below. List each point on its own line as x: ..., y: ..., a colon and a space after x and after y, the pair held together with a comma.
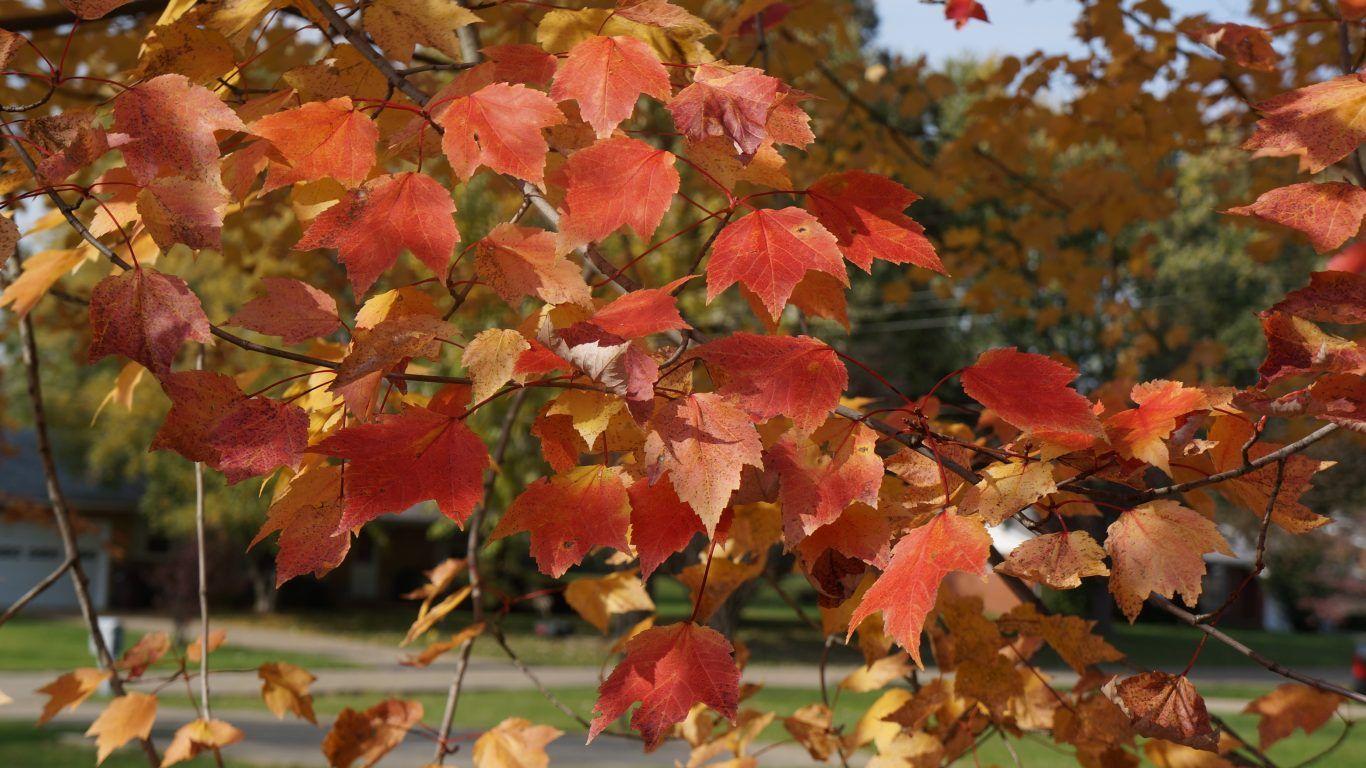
x: 35, y: 591
x: 61, y: 514
x: 472, y: 543
x: 1280, y: 453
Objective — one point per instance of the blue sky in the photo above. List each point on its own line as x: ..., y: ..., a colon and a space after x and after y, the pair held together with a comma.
x: 911, y: 28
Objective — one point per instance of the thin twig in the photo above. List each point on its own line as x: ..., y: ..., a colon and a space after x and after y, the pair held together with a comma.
x: 35, y: 591
x: 1280, y: 453
x: 1260, y: 564
x: 475, y: 523
x: 61, y: 514
x: 1190, y: 619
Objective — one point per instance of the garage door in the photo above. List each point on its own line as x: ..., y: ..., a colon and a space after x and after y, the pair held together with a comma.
x: 30, y: 552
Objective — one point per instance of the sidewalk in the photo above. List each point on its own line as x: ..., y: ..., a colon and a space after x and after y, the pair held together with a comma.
x: 294, y: 742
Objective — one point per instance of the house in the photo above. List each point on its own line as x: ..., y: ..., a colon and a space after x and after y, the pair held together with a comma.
x: 1254, y: 606
x: 133, y: 567
x: 30, y: 547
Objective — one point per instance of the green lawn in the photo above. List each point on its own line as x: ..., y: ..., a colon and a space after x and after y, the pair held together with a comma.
x: 1167, y: 645
x: 772, y: 632
x: 31, y: 644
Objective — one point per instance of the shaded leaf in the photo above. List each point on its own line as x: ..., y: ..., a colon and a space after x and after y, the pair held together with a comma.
x: 598, y: 599
x: 291, y: 309
x: 212, y: 421
x: 1291, y: 706
x: 146, y: 316
x: 170, y: 124
x: 1164, y: 706
x: 1056, y: 560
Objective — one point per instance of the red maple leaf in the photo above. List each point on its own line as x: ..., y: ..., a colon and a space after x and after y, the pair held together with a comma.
x: 960, y: 12
x: 865, y: 212
x: 1319, y: 123
x: 640, y: 313
x: 606, y: 75
x: 703, y: 442
x: 570, y: 514
x: 520, y: 63
x: 795, y: 376
x: 616, y: 182
x: 70, y: 141
x: 499, y: 126
x: 307, y: 516
x: 815, y: 487
x: 1330, y: 297
x: 183, y: 210
x: 212, y: 421
x: 170, y: 122
x: 319, y: 140
x: 419, y: 454
x: 387, y: 215
x: 291, y: 309
x: 729, y: 101
x: 377, y: 351
x: 668, y: 670
x: 769, y: 252
x: 661, y: 524
x: 1031, y: 392
x: 1295, y: 346
x: 145, y: 316
x: 1328, y: 213
x: 906, y: 591
x: 522, y: 261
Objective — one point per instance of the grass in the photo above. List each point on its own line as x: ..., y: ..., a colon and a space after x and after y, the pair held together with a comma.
x: 33, y: 644
x: 772, y: 632
x: 1167, y: 645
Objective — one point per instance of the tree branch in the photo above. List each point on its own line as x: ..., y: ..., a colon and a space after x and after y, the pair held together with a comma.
x: 61, y: 514
x: 1280, y: 453
x: 472, y: 544
x: 35, y: 591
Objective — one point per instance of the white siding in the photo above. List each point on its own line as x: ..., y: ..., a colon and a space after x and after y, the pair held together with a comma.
x: 29, y: 552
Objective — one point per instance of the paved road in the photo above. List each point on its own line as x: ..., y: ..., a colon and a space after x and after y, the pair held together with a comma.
x: 291, y: 742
